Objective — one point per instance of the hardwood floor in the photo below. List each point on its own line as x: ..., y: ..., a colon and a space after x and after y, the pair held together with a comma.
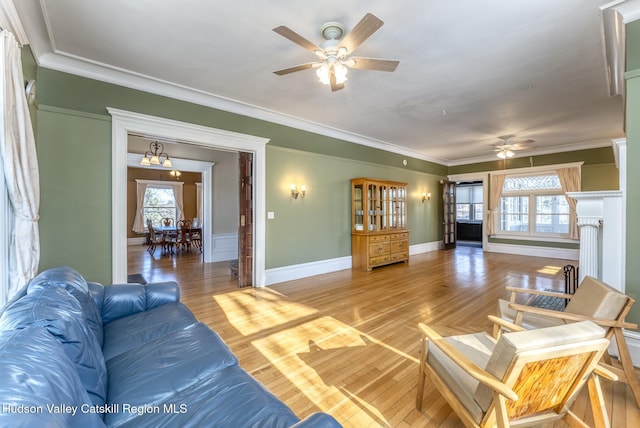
x: 346, y: 343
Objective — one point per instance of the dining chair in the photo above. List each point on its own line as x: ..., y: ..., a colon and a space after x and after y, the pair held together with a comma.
x: 525, y: 377
x: 184, y: 235
x: 157, y: 238
x: 196, y: 233
x: 594, y: 301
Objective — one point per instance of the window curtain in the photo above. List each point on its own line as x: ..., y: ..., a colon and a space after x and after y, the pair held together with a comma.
x: 199, y: 202
x: 177, y: 194
x: 138, y: 222
x: 20, y: 162
x: 495, y: 192
x: 570, y: 182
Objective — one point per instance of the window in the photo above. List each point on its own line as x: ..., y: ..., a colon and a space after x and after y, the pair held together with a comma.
x: 159, y: 203
x: 534, y: 205
x: 469, y: 202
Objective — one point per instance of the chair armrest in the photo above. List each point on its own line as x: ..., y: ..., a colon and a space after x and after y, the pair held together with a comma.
x: 467, y: 365
x: 573, y: 317
x: 539, y: 292
x: 602, y: 370
x: 500, y: 324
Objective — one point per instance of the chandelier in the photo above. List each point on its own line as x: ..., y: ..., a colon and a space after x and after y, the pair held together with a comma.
x: 155, y: 156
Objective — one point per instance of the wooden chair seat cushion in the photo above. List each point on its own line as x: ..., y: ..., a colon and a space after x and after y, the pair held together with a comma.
x: 476, y: 347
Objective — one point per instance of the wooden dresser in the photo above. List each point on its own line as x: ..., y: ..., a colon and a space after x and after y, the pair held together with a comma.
x: 379, y: 234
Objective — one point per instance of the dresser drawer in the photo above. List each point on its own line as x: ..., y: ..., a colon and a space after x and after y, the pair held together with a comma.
x: 396, y: 257
x: 381, y: 260
x: 397, y: 236
x: 378, y: 238
x: 401, y: 245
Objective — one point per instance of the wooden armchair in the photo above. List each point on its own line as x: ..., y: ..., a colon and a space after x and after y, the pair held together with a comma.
x: 524, y: 377
x: 594, y: 301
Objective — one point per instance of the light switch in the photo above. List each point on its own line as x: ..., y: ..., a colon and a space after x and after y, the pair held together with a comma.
x: 271, y: 215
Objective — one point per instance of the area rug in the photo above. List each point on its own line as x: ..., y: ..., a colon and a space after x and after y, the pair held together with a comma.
x: 548, y: 302
x: 136, y: 278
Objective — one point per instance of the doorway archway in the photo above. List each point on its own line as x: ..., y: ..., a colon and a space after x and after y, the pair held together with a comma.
x: 125, y: 122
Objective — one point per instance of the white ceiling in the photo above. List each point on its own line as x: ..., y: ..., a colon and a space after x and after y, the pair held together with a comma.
x: 469, y: 70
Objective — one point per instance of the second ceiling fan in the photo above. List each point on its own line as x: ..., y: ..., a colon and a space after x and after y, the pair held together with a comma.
x: 335, y: 50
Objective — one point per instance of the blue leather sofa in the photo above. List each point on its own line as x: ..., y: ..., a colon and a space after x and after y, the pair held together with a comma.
x: 80, y: 354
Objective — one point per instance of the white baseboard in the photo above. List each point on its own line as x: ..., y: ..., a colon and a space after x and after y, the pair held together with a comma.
x: 303, y: 270
x: 527, y: 250
x: 424, y: 247
x: 290, y: 273
x: 223, y: 246
x: 136, y: 241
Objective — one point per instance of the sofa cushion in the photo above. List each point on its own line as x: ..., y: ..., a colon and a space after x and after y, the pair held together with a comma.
x: 77, y: 286
x: 37, y: 375
x: 139, y: 329
x: 121, y: 300
x: 226, y: 398
x: 152, y: 373
x: 60, y: 313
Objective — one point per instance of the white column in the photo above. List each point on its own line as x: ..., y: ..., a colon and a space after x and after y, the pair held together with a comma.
x: 601, y: 219
x: 589, y: 247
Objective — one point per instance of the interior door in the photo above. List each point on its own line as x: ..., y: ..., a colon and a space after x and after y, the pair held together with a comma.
x: 449, y: 218
x: 245, y: 223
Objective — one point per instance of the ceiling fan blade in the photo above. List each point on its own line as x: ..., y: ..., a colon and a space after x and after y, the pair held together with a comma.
x: 361, y: 32
x: 335, y: 86
x: 294, y: 68
x: 296, y: 38
x: 373, y: 64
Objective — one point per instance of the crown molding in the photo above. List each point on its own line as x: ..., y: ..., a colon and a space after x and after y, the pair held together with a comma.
x: 10, y: 20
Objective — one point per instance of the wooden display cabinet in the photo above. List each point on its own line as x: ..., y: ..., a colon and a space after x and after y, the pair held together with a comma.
x: 379, y: 234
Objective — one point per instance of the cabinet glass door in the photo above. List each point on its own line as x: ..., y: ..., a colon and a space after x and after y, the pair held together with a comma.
x: 397, y: 207
x: 376, y: 204
x: 358, y: 207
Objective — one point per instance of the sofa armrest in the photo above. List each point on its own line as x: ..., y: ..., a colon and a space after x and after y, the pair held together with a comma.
x: 318, y: 420
x: 159, y: 293
x: 121, y: 300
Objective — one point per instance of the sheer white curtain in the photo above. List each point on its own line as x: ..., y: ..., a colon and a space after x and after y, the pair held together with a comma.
x: 495, y: 192
x: 18, y: 152
x: 138, y: 222
x: 199, y: 202
x: 570, y: 182
x: 177, y: 194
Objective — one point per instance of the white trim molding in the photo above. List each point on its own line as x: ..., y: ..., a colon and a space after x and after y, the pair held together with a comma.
x: 125, y: 122
x: 527, y: 250
x: 223, y: 246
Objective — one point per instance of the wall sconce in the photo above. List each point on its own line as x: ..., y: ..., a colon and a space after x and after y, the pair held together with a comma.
x: 295, y: 192
x: 426, y: 197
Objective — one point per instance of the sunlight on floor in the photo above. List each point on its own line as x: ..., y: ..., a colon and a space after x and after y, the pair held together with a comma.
x: 272, y: 310
x: 550, y: 270
x: 319, y: 355
x: 301, y: 353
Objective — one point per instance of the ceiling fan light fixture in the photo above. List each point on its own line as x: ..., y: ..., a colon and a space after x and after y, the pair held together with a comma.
x: 323, y: 74
x: 340, y: 72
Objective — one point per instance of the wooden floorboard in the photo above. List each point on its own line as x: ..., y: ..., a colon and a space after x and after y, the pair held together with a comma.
x: 346, y: 342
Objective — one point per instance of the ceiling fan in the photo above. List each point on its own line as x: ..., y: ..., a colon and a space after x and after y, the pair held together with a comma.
x: 506, y: 149
x: 334, y: 52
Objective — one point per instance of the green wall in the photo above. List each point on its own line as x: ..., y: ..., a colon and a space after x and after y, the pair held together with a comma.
x: 74, y: 148
x: 324, y: 215
x: 633, y: 173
